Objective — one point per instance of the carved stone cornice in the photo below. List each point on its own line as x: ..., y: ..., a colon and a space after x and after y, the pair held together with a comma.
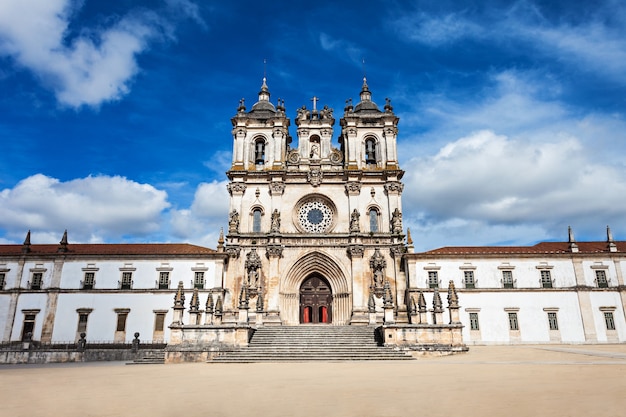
x: 236, y: 188
x: 232, y: 251
x: 277, y: 187
x: 274, y: 251
x: 356, y: 251
x: 394, y: 187
x: 353, y: 188
x: 397, y: 251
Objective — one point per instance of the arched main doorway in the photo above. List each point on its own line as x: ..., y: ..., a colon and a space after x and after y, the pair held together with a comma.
x: 316, y: 300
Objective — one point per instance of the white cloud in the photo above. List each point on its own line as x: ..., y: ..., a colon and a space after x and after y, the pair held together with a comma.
x: 596, y: 45
x: 343, y: 48
x: 92, y: 208
x: 93, y: 67
x: 208, y: 213
x: 437, y: 31
x: 498, y: 184
x: 511, y: 161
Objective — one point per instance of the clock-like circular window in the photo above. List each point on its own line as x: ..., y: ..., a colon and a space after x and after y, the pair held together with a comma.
x: 315, y: 216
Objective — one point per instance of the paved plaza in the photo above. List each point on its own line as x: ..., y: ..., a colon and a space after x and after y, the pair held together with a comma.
x: 555, y: 380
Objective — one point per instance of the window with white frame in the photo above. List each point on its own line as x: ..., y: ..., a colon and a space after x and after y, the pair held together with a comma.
x: 2, y: 280
x: 433, y: 279
x: 507, y: 279
x: 164, y: 280
x: 609, y: 320
x: 552, y: 320
x: 89, y: 280
x: 546, y: 279
x: 601, y: 279
x: 474, y: 321
x: 513, y: 323
x: 36, y: 280
x: 198, y: 280
x: 468, y: 277
x: 127, y: 280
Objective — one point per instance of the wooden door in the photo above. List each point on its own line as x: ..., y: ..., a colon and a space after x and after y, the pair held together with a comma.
x: 315, y: 301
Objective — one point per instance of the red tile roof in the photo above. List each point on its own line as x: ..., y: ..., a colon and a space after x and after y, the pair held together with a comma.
x: 135, y: 249
x: 539, y: 248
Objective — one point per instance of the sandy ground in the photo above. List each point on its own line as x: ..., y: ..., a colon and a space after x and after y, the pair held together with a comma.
x: 488, y: 381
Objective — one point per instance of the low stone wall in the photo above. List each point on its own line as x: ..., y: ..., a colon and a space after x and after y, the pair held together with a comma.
x: 40, y: 356
x: 200, y: 343
x: 426, y: 338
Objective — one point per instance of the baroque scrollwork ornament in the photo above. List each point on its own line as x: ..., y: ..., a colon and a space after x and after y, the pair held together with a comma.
x: 394, y: 187
x: 277, y: 188
x: 356, y: 251
x: 353, y: 188
x: 273, y: 251
x: 315, y: 176
x: 236, y: 188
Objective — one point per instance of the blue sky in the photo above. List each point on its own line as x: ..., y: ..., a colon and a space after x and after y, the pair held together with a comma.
x: 115, y: 115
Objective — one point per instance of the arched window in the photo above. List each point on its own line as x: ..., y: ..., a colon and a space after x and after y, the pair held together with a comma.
x: 256, y: 220
x: 373, y: 215
x: 259, y: 152
x: 370, y: 151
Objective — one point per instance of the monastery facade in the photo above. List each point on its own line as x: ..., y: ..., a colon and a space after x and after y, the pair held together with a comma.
x: 315, y: 236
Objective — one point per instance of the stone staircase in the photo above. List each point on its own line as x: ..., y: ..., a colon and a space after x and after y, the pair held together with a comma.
x: 307, y: 343
x: 154, y: 357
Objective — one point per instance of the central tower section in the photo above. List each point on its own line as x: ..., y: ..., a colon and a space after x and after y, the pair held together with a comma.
x: 315, y: 218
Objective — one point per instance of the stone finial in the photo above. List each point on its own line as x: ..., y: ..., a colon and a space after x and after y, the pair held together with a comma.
x: 421, y: 302
x: 259, y: 302
x: 26, y: 244
x: 409, y: 240
x: 219, y: 306
x: 437, y: 304
x: 220, y: 241
x: 411, y: 305
x: 244, y: 297
x: 194, y: 305
x: 371, y: 303
x: 179, y: 298
x: 387, y: 296
x: 453, y: 298
x: 609, y: 240
x: 63, y: 242
x: 573, y: 247
x: 209, y: 304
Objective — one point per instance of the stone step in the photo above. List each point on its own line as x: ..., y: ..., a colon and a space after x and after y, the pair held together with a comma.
x: 312, y: 343
x: 151, y: 358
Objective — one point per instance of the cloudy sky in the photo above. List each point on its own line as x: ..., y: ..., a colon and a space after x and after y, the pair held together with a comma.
x: 115, y: 115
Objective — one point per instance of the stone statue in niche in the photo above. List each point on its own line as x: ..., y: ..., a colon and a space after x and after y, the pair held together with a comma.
x: 275, y: 226
x: 253, y: 278
x: 354, y: 221
x: 315, y: 151
x: 396, y: 221
x: 233, y: 222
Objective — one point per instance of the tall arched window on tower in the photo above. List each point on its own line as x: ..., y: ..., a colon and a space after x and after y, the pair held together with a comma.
x: 373, y: 216
x: 370, y: 151
x: 256, y: 220
x: 259, y: 151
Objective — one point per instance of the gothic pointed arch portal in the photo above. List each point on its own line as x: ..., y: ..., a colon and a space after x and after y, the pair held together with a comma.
x: 326, y: 271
